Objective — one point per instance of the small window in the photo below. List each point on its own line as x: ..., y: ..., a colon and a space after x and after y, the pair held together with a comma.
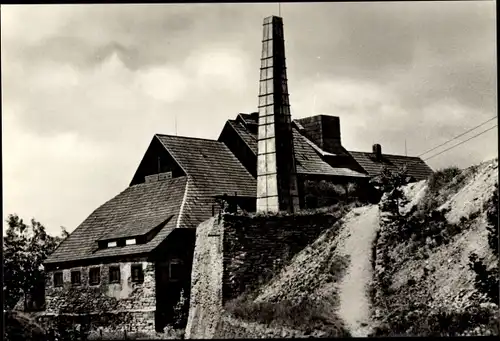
x: 130, y: 241
x: 175, y: 270
x: 111, y: 244
x: 114, y: 274
x: 76, y: 277
x: 94, y: 276
x: 137, y: 273
x: 58, y: 279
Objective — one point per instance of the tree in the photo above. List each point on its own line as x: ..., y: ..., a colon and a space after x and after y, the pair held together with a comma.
x: 25, y: 248
x: 392, y: 182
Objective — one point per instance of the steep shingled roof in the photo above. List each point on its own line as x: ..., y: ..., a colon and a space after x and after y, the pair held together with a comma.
x: 309, y: 161
x: 214, y: 170
x: 307, y: 158
x: 417, y: 168
x: 143, y: 202
x: 249, y: 138
x: 211, y: 164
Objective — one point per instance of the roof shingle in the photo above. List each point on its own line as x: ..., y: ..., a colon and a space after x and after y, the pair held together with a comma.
x: 417, y: 168
x: 211, y: 164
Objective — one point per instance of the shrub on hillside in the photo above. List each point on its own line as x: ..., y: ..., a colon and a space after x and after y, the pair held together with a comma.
x: 443, y: 183
x: 486, y: 281
x: 491, y: 208
x: 308, y: 315
x: 441, y: 178
x: 391, y: 183
x: 419, y: 321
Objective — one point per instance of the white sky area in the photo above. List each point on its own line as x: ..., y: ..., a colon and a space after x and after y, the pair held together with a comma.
x: 85, y: 87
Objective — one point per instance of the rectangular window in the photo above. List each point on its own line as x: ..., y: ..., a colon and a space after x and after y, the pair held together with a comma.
x: 175, y: 270
x: 137, y: 273
x: 76, y: 277
x: 58, y: 279
x: 114, y: 274
x: 111, y: 244
x: 94, y: 276
x: 130, y: 241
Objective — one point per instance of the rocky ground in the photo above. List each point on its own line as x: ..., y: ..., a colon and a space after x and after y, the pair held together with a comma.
x: 428, y: 274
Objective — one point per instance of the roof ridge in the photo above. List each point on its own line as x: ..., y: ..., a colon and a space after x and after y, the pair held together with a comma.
x: 384, y: 154
x: 171, y: 180
x: 184, y: 199
x: 316, y: 147
x: 188, y: 137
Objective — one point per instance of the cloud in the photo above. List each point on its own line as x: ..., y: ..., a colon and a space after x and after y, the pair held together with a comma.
x: 84, y: 88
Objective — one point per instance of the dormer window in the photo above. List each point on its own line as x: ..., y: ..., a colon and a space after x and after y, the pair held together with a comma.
x: 132, y: 232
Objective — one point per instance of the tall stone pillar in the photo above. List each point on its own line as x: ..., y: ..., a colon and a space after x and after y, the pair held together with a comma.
x: 276, y: 170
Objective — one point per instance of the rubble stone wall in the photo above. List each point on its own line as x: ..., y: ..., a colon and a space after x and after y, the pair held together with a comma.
x: 126, y: 304
x: 255, y: 248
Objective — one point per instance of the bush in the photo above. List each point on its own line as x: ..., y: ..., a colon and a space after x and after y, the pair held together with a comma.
x: 418, y: 321
x: 391, y: 183
x: 486, y: 280
x: 20, y: 326
x: 441, y: 178
x: 307, y: 315
x: 491, y: 208
x: 181, y: 311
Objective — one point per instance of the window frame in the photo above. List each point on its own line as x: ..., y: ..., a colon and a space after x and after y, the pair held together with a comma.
x: 73, y: 277
x: 111, y: 270
x: 177, y: 262
x: 140, y: 278
x: 56, y: 285
x: 93, y: 270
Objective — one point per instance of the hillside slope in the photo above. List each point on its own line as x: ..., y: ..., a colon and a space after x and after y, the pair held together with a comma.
x: 431, y: 270
x: 426, y: 255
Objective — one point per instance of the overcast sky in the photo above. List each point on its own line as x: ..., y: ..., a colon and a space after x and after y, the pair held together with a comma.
x: 85, y: 87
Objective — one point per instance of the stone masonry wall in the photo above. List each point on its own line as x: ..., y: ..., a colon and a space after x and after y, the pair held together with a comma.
x: 257, y: 247
x: 205, y: 306
x: 125, y: 305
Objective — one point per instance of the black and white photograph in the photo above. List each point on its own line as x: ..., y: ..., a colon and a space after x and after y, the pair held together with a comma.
x: 249, y: 170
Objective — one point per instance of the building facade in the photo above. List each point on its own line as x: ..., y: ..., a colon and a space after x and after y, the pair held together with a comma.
x: 127, y: 264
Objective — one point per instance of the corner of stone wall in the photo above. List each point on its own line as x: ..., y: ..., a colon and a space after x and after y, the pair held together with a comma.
x: 205, y: 306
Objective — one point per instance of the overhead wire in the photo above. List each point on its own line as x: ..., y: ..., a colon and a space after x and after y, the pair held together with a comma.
x: 454, y: 138
x: 462, y: 142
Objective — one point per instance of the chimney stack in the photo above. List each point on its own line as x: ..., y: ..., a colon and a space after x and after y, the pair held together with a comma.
x: 377, y: 151
x: 276, y: 171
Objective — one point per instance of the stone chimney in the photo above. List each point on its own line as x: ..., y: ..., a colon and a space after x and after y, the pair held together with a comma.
x: 377, y: 151
x: 276, y: 171
x: 324, y: 131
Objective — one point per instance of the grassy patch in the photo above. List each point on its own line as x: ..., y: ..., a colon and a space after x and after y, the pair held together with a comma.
x: 443, y: 183
x: 337, y: 209
x: 168, y: 334
x: 419, y: 321
x: 306, y: 316
x: 441, y: 178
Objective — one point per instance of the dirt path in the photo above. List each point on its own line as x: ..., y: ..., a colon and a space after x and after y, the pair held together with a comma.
x: 354, y: 301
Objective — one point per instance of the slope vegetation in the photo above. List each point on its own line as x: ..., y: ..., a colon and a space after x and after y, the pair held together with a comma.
x: 323, y: 290
x: 436, y: 266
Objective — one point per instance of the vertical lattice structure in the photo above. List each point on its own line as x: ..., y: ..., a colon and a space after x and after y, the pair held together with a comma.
x: 276, y: 171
